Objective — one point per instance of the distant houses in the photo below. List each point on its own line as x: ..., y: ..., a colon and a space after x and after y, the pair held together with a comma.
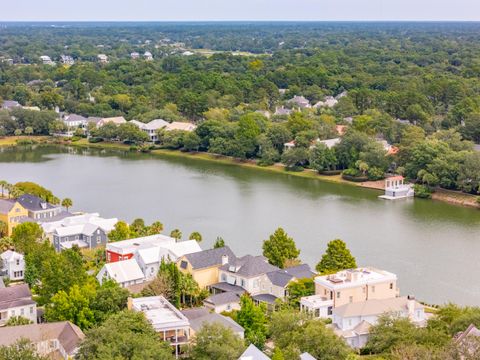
x: 12, y: 213
x: 12, y: 265
x: 16, y: 301
x: 152, y: 127
x: 102, y: 58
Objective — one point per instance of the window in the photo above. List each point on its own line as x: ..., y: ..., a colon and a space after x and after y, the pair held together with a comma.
x: 338, y: 294
x: 18, y: 262
x: 99, y: 239
x: 22, y: 311
x: 31, y: 309
x: 391, y: 286
x: 242, y: 283
x: 350, y: 299
x: 330, y: 310
x: 183, y: 264
x: 224, y: 277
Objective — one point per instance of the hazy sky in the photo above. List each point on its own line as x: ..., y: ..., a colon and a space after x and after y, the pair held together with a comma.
x: 240, y: 10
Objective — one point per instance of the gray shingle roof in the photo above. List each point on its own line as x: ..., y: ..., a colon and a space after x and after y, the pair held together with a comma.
x: 9, y: 104
x: 34, y: 203
x: 226, y: 287
x: 211, y: 318
x: 18, y: 295
x: 266, y: 298
x: 253, y: 353
x: 6, y: 205
x: 249, y: 266
x: 282, y: 277
x: 223, y: 298
x: 209, y: 258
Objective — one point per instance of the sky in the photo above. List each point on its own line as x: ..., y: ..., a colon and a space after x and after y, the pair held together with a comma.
x: 219, y: 10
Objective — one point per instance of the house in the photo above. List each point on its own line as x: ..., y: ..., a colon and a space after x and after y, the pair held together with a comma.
x: 253, y: 353
x: 38, y: 209
x: 86, y: 235
x: 10, y: 104
x: 67, y: 60
x: 61, y: 221
x: 353, y: 321
x: 204, y: 265
x: 126, y: 249
x: 328, y: 102
x: 57, y: 340
x: 75, y: 121
x: 247, y: 272
x: 149, y: 257
x: 13, y: 265
x: 102, y: 58
x: 395, y: 188
x: 134, y: 55
x: 17, y: 301
x: 224, y: 301
x: 12, y: 213
x: 151, y: 128
x: 276, y: 282
x: 148, y: 56
x: 118, y: 120
x: 183, y: 126
x: 282, y: 111
x: 306, y: 356
x: 300, y: 102
x: 349, y: 286
x: 329, y: 143
x: 198, y: 317
x: 125, y: 273
x: 46, y: 60
x: 171, y: 325
x: 341, y: 129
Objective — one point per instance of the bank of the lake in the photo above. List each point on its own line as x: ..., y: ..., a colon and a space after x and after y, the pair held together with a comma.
x: 245, y: 205
x: 452, y: 197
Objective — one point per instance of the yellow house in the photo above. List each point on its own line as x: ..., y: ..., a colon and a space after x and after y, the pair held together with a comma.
x: 10, y: 213
x: 204, y: 265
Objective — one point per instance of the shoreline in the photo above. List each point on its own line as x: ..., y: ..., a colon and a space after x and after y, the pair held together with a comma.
x: 449, y: 196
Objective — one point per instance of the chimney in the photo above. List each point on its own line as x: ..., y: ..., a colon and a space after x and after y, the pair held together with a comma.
x: 224, y: 259
x: 130, y: 303
x: 411, y: 306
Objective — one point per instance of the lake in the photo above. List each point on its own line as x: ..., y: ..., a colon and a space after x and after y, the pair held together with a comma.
x: 433, y: 247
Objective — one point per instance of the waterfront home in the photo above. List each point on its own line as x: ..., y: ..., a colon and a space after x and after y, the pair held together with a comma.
x: 134, y: 55
x: 17, y: 300
x: 349, y: 286
x: 151, y: 128
x: 182, y: 126
x: 148, y: 56
x: 353, y: 321
x: 10, y: 105
x: 46, y: 60
x: 223, y: 301
x: 300, y: 102
x: 12, y: 213
x: 67, y: 60
x: 253, y: 353
x: 117, y: 120
x: 204, y: 265
x: 395, y: 188
x: 198, y: 317
x: 171, y: 325
x: 90, y: 219
x: 126, y: 249
x: 75, y: 121
x: 125, y: 273
x: 88, y: 236
x: 38, y: 209
x: 329, y: 143
x: 102, y: 58
x: 149, y: 257
x: 13, y: 265
x: 57, y: 340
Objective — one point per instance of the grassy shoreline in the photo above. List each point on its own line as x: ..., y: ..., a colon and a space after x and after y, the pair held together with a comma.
x: 452, y: 197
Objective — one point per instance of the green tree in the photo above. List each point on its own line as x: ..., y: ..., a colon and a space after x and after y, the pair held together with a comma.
x: 25, y: 236
x: 176, y: 234
x: 298, y: 289
x: 322, y: 158
x: 252, y: 318
x: 295, y: 159
x: 3, y: 231
x: 126, y: 335
x: 20, y: 350
x: 18, y: 320
x: 67, y: 203
x: 336, y: 258
x: 109, y: 299
x: 216, y: 342
x: 121, y: 231
x: 219, y: 243
x: 195, y: 236
x: 280, y: 248
x: 155, y: 228
x: 137, y: 228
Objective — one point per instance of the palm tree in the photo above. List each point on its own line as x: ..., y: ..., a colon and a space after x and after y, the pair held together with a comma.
x: 3, y: 185
x: 67, y: 203
x: 195, y: 236
x: 176, y: 234
x: 155, y: 228
x: 3, y: 229
x: 15, y: 192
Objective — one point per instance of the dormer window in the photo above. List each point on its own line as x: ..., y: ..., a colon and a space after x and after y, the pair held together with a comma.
x: 43, y: 205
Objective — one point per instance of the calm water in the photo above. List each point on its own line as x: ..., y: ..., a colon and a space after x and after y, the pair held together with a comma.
x: 433, y: 247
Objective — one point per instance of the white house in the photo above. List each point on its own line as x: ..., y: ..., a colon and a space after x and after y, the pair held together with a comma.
x: 125, y: 273
x: 102, y: 58
x: 148, y: 56
x: 353, y: 321
x: 183, y: 126
x: 134, y: 55
x: 17, y: 301
x: 151, y: 128
x: 46, y: 60
x: 13, y: 265
x: 395, y: 188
